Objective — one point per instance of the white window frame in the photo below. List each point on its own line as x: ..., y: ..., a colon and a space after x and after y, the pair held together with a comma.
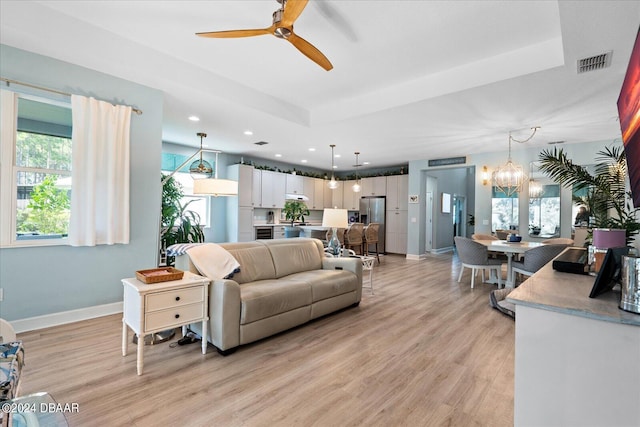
x: 9, y: 171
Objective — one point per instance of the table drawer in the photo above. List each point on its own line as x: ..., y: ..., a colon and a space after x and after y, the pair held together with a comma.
x: 174, y: 298
x: 174, y: 316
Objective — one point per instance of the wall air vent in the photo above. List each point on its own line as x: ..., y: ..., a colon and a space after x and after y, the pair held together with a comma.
x: 261, y: 143
x: 594, y: 63
x: 555, y: 142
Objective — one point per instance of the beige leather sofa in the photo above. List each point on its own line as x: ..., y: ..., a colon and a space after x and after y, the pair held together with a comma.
x: 282, y: 283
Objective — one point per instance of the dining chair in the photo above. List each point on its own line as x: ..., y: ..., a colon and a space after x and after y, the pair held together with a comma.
x: 492, y: 254
x: 535, y: 259
x: 475, y: 256
x: 559, y: 241
x: 353, y: 237
x: 371, y: 238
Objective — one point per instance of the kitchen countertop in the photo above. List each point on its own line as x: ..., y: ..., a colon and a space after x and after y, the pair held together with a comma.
x: 568, y: 293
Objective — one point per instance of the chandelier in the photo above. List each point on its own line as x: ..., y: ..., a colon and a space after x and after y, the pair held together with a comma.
x: 509, y: 177
x: 201, y: 168
x: 333, y: 184
x: 357, y: 187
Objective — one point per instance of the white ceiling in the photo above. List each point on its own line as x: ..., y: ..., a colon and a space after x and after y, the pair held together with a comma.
x: 411, y: 79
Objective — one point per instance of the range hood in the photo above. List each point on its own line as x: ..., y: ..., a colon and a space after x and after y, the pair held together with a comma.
x: 296, y: 197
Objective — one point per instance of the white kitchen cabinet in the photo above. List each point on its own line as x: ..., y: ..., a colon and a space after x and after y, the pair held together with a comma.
x: 244, y: 175
x: 374, y: 186
x: 336, y: 195
x: 273, y: 189
x: 350, y: 199
x: 256, y: 188
x: 278, y: 231
x: 314, y: 190
x: 396, y: 232
x: 294, y: 184
x: 397, y: 192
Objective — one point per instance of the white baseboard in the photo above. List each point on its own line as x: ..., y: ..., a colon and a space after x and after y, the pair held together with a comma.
x: 64, y: 317
x: 412, y: 257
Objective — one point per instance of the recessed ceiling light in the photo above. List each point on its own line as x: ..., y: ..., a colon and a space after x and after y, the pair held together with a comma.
x: 312, y: 149
x: 336, y: 156
x: 366, y: 163
x: 303, y: 161
x: 335, y: 167
x: 194, y: 118
x: 248, y: 132
x: 278, y: 155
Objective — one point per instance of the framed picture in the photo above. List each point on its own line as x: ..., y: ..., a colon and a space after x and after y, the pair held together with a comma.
x: 413, y: 198
x: 446, y: 203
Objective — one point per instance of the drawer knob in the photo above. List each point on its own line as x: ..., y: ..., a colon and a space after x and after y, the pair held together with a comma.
x: 177, y: 298
x: 177, y: 316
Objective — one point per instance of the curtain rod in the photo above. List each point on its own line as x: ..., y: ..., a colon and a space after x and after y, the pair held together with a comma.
x: 9, y: 81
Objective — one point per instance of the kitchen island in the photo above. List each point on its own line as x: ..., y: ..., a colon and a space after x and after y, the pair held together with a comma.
x: 576, y: 358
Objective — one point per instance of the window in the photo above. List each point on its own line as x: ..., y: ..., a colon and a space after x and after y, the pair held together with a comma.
x: 544, y: 213
x: 199, y: 204
x: 36, y: 187
x: 504, y: 210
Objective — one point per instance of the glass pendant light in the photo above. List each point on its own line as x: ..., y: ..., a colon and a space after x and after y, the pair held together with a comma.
x: 201, y: 168
x: 333, y: 184
x: 357, y: 187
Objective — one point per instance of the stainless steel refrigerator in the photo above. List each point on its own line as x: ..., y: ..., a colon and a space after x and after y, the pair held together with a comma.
x: 373, y: 209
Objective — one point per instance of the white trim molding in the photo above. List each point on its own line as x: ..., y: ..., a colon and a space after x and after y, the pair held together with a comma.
x: 64, y: 317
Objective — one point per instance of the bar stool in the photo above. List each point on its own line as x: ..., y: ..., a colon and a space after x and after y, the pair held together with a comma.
x: 353, y: 237
x: 371, y: 238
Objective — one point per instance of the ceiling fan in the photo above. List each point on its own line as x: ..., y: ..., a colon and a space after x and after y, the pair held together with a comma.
x: 282, y: 28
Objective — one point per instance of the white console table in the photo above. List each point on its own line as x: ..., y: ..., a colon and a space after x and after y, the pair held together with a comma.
x: 576, y: 358
x: 161, y: 306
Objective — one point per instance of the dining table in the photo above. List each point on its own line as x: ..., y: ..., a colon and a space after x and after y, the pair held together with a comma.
x: 509, y: 249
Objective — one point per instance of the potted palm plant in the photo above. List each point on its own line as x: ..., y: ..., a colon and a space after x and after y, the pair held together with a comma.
x: 179, y: 224
x: 294, y: 210
x: 606, y: 197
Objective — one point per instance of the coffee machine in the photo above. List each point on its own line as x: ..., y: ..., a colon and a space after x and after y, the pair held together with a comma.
x: 270, y: 217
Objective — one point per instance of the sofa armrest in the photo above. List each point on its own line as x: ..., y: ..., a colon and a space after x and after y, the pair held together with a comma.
x: 353, y: 265
x: 224, y: 314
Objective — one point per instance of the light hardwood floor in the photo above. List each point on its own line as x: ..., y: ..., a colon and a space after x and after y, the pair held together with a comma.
x: 424, y: 350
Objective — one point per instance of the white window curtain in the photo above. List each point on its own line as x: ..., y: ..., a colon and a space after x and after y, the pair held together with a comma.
x: 100, y: 173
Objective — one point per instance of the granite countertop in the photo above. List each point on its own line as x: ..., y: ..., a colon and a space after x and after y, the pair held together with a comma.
x: 569, y: 294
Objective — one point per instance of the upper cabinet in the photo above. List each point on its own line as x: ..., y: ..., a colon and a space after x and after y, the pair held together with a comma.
x: 374, y: 186
x: 314, y: 190
x: 273, y: 189
x: 397, y: 192
x: 244, y: 175
x: 294, y: 184
x: 336, y: 195
x: 256, y: 188
x: 350, y: 199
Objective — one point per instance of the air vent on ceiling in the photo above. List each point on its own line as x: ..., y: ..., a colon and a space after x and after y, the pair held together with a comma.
x: 555, y: 142
x: 261, y: 143
x: 594, y: 63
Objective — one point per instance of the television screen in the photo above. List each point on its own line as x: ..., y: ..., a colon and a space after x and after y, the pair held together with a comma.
x: 629, y: 113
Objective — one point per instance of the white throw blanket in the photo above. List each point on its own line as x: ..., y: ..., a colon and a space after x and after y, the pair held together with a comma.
x: 213, y: 261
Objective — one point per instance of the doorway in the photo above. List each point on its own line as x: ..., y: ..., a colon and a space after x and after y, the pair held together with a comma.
x: 459, y: 216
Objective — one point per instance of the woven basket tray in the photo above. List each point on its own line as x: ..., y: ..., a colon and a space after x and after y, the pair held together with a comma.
x: 157, y: 275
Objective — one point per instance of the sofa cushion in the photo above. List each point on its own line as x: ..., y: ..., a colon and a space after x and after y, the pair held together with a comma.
x: 295, y: 255
x: 328, y: 283
x: 266, y: 298
x: 254, y: 259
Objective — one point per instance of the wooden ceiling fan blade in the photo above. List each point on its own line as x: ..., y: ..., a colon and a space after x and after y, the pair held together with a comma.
x: 310, y: 51
x: 237, y: 33
x: 292, y: 9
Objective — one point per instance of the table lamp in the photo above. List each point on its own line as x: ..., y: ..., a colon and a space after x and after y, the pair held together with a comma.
x: 334, y: 219
x: 605, y: 238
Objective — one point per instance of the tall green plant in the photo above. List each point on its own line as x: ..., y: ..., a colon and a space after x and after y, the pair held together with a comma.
x: 179, y: 225
x: 606, y: 196
x: 295, y: 210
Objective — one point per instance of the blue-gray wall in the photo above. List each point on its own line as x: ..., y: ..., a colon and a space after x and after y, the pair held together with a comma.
x: 43, y: 280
